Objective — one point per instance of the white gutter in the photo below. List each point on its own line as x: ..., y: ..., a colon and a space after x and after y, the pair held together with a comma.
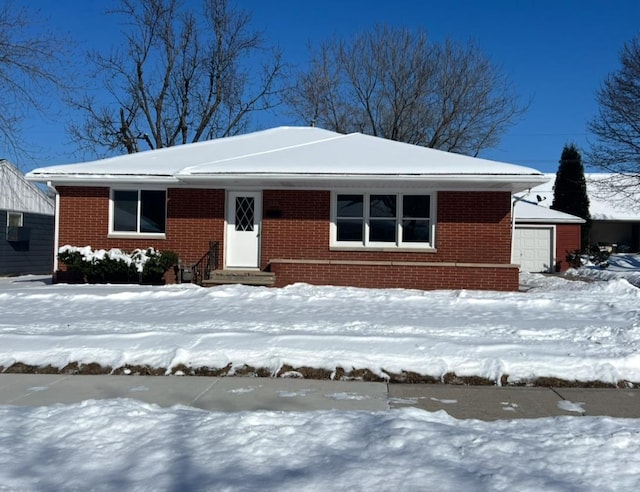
x: 521, y: 181
x: 100, y: 179
x: 510, y: 183
x: 471, y: 178
x: 56, y: 227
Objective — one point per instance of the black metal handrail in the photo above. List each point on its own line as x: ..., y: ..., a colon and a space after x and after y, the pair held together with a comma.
x: 209, y: 261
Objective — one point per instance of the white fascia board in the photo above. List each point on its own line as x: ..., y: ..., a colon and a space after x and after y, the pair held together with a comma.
x: 511, y: 183
x: 539, y: 220
x: 452, y: 182
x: 101, y: 179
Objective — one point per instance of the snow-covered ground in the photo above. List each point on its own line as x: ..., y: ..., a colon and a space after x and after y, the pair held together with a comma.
x: 128, y: 445
x: 558, y: 327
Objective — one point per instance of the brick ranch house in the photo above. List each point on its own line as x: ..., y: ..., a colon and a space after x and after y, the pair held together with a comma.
x: 302, y: 204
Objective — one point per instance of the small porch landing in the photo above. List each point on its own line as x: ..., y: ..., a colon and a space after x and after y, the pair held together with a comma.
x: 244, y: 277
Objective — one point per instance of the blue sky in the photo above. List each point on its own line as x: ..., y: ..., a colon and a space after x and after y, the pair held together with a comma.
x: 557, y: 53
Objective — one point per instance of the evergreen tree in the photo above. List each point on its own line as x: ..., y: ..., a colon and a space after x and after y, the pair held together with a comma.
x: 570, y: 189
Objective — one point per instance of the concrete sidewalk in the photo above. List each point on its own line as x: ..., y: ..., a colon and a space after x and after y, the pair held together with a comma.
x: 496, y: 403
x: 239, y: 393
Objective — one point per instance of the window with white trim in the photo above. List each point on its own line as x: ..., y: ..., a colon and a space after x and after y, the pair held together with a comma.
x: 138, y: 211
x: 15, y: 219
x: 383, y: 220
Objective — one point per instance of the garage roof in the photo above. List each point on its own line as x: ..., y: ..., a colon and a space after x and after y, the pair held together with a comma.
x: 609, y: 198
x: 526, y: 211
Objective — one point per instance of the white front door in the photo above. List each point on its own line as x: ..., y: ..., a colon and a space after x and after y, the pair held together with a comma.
x: 244, y: 214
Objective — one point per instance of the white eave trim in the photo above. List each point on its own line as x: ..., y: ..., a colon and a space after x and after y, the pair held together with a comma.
x: 101, y: 179
x: 524, y: 221
x: 513, y: 183
x: 368, y: 177
x: 489, y: 182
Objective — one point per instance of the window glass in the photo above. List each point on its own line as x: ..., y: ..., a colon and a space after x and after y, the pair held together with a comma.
x: 141, y: 211
x: 416, y: 206
x: 153, y: 213
x: 416, y: 223
x: 350, y: 230
x: 350, y: 206
x: 14, y: 219
x: 391, y: 219
x: 125, y: 210
x: 382, y: 206
x: 350, y: 218
x: 244, y: 213
x: 382, y: 231
x: 415, y: 231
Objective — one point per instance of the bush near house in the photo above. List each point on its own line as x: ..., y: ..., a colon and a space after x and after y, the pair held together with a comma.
x: 115, y: 266
x: 577, y: 258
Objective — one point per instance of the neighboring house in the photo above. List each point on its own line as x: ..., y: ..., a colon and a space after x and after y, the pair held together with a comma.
x: 543, y: 237
x: 302, y: 204
x: 615, y: 214
x: 26, y: 225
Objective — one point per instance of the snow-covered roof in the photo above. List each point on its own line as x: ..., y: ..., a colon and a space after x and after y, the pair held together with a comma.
x: 297, y: 156
x: 526, y: 211
x: 605, y: 202
x: 17, y: 194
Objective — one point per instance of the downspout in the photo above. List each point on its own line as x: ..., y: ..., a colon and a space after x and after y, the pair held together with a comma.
x: 56, y: 227
x: 513, y: 221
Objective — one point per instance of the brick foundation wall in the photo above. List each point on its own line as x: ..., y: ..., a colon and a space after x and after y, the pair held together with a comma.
x: 414, y: 276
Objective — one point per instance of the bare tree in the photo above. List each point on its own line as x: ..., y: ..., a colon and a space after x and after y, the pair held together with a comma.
x: 395, y: 83
x: 617, y: 126
x: 181, y: 76
x: 30, y: 65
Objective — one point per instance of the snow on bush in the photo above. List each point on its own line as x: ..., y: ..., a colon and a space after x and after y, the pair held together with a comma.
x: 100, y: 266
x: 137, y: 257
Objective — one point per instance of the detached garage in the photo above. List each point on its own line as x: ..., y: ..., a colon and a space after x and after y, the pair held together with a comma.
x: 542, y: 237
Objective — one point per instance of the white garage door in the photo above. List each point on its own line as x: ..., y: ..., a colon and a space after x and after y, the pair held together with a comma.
x: 532, y: 248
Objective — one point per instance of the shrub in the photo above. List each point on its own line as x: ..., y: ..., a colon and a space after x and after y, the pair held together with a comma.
x: 574, y: 258
x: 156, y: 266
x: 115, y: 266
x: 577, y: 258
x: 599, y: 257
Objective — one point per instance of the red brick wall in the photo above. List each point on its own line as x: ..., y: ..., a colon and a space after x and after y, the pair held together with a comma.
x: 394, y: 276
x: 301, y: 230
x: 472, y: 227
x: 194, y: 217
x: 567, y: 239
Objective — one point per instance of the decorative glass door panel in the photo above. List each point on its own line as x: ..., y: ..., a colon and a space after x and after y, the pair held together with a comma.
x: 243, y: 229
x: 245, y: 213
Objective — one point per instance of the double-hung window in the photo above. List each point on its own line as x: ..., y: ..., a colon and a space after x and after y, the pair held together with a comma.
x: 138, y: 211
x: 383, y: 220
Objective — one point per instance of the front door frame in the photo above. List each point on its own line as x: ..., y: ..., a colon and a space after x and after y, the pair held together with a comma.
x: 242, y: 247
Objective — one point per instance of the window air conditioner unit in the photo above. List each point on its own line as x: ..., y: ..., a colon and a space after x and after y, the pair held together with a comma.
x: 18, y: 234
